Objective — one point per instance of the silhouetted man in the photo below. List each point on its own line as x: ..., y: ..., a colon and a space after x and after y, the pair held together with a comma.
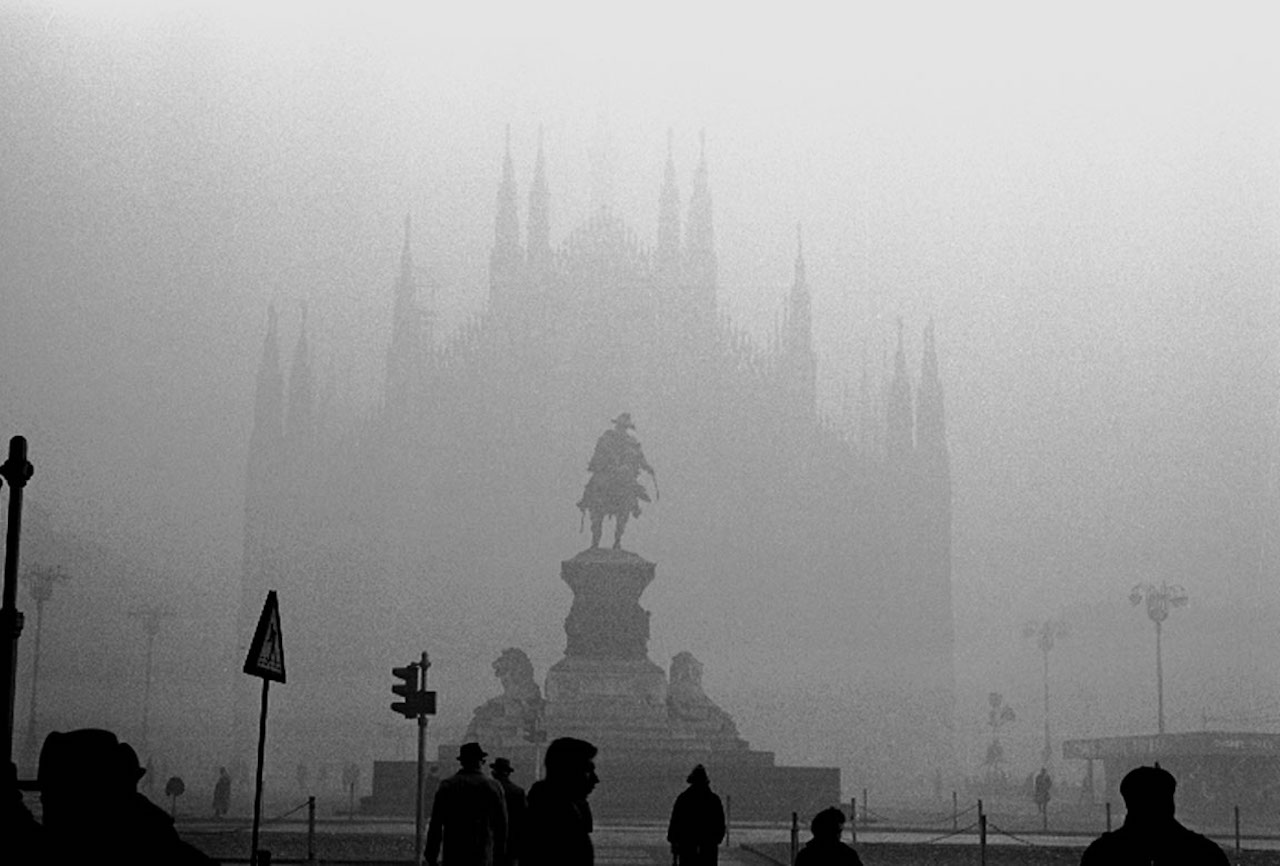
x: 825, y: 848
x: 468, y: 816
x: 1150, y: 835
x: 558, y: 823
x: 513, y: 796
x: 92, y: 811
x: 697, y: 822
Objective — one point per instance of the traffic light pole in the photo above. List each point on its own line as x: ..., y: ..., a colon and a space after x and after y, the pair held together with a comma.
x: 422, y: 777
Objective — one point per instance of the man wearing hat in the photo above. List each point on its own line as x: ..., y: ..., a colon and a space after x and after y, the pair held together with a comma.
x: 92, y: 811
x: 513, y: 796
x: 468, y: 816
x: 614, y: 488
x: 1150, y: 834
x: 697, y: 822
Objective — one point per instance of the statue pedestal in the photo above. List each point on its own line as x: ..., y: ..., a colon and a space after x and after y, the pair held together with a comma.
x: 606, y: 686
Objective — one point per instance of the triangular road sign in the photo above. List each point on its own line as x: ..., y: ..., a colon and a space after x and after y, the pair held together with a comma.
x: 266, y: 651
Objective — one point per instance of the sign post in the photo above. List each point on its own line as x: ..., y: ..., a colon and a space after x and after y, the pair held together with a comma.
x: 265, y: 660
x: 418, y: 703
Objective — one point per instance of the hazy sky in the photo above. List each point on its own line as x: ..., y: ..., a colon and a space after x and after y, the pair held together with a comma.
x: 1084, y: 199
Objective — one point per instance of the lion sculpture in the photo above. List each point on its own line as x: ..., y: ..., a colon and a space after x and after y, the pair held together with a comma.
x: 688, y: 706
x: 516, y: 714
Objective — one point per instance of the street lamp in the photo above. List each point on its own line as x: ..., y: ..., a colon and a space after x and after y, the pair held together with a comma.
x: 40, y: 583
x: 150, y: 614
x: 1045, y: 634
x: 1159, y: 600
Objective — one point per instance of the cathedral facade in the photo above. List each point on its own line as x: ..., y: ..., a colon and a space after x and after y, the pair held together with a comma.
x: 791, y: 550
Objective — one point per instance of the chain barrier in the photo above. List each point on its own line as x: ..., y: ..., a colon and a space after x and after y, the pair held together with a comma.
x: 950, y: 833
x: 194, y: 831
x: 927, y: 823
x: 1014, y: 836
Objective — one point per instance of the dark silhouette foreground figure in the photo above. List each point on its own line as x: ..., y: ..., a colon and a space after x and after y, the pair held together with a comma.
x: 92, y: 811
x: 515, y: 799
x: 468, y: 816
x: 1150, y: 835
x: 558, y: 823
x: 697, y: 822
x: 825, y: 848
x: 1043, y: 787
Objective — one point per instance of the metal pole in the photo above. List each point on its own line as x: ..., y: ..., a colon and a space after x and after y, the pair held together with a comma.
x: 1108, y: 816
x: 1159, y: 681
x: 30, y: 746
x: 16, y: 470
x: 955, y: 811
x: 795, y: 838
x: 864, y: 805
x: 257, y: 789
x: 1237, y: 832
x: 728, y: 814
x: 1048, y: 747
x: 422, y: 775
x: 311, y: 829
x: 853, y: 820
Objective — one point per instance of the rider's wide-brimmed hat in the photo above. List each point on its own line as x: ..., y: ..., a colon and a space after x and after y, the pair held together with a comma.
x: 625, y: 420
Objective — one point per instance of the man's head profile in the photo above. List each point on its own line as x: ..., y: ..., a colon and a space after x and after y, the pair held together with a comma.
x: 571, y: 762
x: 828, y: 824
x: 1148, y: 793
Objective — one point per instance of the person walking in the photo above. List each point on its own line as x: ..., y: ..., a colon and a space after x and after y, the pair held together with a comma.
x: 825, y: 848
x: 222, y: 794
x: 558, y: 822
x: 697, y: 822
x: 468, y: 816
x: 1150, y: 835
x: 514, y: 797
x: 1043, y: 787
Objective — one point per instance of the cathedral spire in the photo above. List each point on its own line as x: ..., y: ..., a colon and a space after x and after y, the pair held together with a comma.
x: 539, y: 243
x: 700, y: 243
x: 668, y: 250
x: 931, y: 425
x: 268, y: 401
x: 506, y: 259
x: 802, y: 365
x: 898, y: 414
x: 300, y: 412
x: 402, y: 351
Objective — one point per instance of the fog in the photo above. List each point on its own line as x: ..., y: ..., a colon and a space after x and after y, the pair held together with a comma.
x: 1084, y: 204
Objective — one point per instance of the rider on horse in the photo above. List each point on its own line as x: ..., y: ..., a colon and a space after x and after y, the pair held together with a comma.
x: 614, y: 488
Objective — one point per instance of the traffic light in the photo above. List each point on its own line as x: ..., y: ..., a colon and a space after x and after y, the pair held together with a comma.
x: 407, y: 690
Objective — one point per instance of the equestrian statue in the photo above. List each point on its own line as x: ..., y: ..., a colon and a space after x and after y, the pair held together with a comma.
x: 614, y: 489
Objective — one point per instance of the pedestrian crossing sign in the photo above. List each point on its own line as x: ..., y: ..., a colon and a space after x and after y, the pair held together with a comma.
x: 266, y: 651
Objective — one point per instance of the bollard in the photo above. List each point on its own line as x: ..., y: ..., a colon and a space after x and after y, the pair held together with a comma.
x: 795, y: 837
x: 955, y: 812
x: 982, y: 837
x: 1237, y: 832
x: 1108, y: 816
x: 853, y: 820
x: 728, y: 818
x: 311, y: 829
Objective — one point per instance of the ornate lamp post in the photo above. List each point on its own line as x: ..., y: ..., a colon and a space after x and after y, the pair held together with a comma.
x: 40, y: 583
x: 150, y: 614
x: 1159, y: 600
x: 1045, y: 634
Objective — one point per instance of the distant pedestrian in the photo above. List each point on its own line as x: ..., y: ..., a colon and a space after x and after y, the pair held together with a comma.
x: 697, y: 822
x: 1042, y: 787
x: 468, y: 816
x: 1150, y: 835
x: 514, y: 797
x: 558, y: 824
x: 825, y: 848
x: 92, y: 811
x: 222, y: 794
